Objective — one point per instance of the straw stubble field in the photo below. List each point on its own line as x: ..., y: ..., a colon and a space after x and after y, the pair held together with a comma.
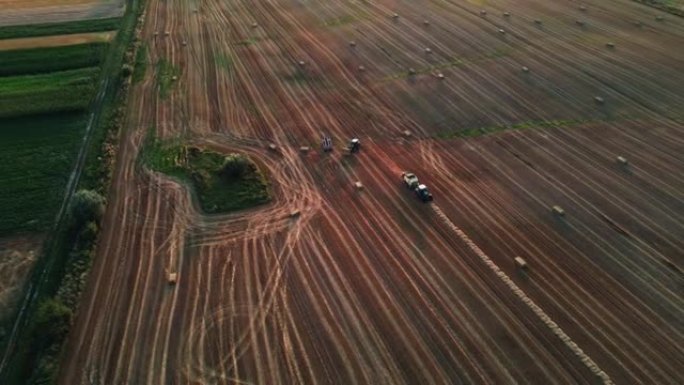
x: 371, y: 286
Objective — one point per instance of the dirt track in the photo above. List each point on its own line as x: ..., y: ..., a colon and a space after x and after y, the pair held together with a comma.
x: 372, y: 286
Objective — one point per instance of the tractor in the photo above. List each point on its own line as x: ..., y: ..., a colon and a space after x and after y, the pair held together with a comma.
x: 423, y: 193
x: 354, y: 146
x: 410, y: 179
x: 327, y: 144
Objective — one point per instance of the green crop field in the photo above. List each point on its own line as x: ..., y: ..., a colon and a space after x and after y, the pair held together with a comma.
x: 43, y: 93
x: 37, y: 154
x: 43, y: 60
x: 79, y: 26
x: 47, y: 93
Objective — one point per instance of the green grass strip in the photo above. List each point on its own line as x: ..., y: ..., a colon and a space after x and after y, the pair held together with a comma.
x: 165, y: 77
x: 141, y: 61
x: 66, y: 28
x: 47, y: 93
x: 50, y: 59
x: 533, y: 124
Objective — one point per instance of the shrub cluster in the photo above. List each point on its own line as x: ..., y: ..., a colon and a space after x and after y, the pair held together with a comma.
x: 221, y: 183
x: 50, y: 323
x: 236, y: 166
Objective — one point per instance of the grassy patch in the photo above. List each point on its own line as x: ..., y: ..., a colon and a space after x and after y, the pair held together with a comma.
x: 248, y: 42
x: 298, y: 77
x: 49, y: 59
x: 140, y: 63
x: 224, y: 61
x: 36, y: 157
x: 165, y: 74
x: 480, y: 131
x: 79, y: 26
x: 47, y: 93
x: 339, y: 21
x: 222, y: 183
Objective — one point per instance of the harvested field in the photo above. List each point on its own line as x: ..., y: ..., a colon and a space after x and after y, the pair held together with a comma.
x: 14, y: 4
x: 57, y: 11
x: 56, y: 41
x: 331, y: 284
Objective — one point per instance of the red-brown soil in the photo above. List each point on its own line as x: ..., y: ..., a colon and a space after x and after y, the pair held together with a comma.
x: 373, y: 286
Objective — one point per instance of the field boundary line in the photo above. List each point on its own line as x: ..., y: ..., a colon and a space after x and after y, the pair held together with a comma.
x: 536, y: 309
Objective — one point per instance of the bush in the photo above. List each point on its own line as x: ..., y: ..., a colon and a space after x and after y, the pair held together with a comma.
x: 202, y: 178
x: 88, y: 233
x: 235, y: 166
x: 51, y: 322
x: 126, y: 70
x: 87, y: 206
x: 45, y: 372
